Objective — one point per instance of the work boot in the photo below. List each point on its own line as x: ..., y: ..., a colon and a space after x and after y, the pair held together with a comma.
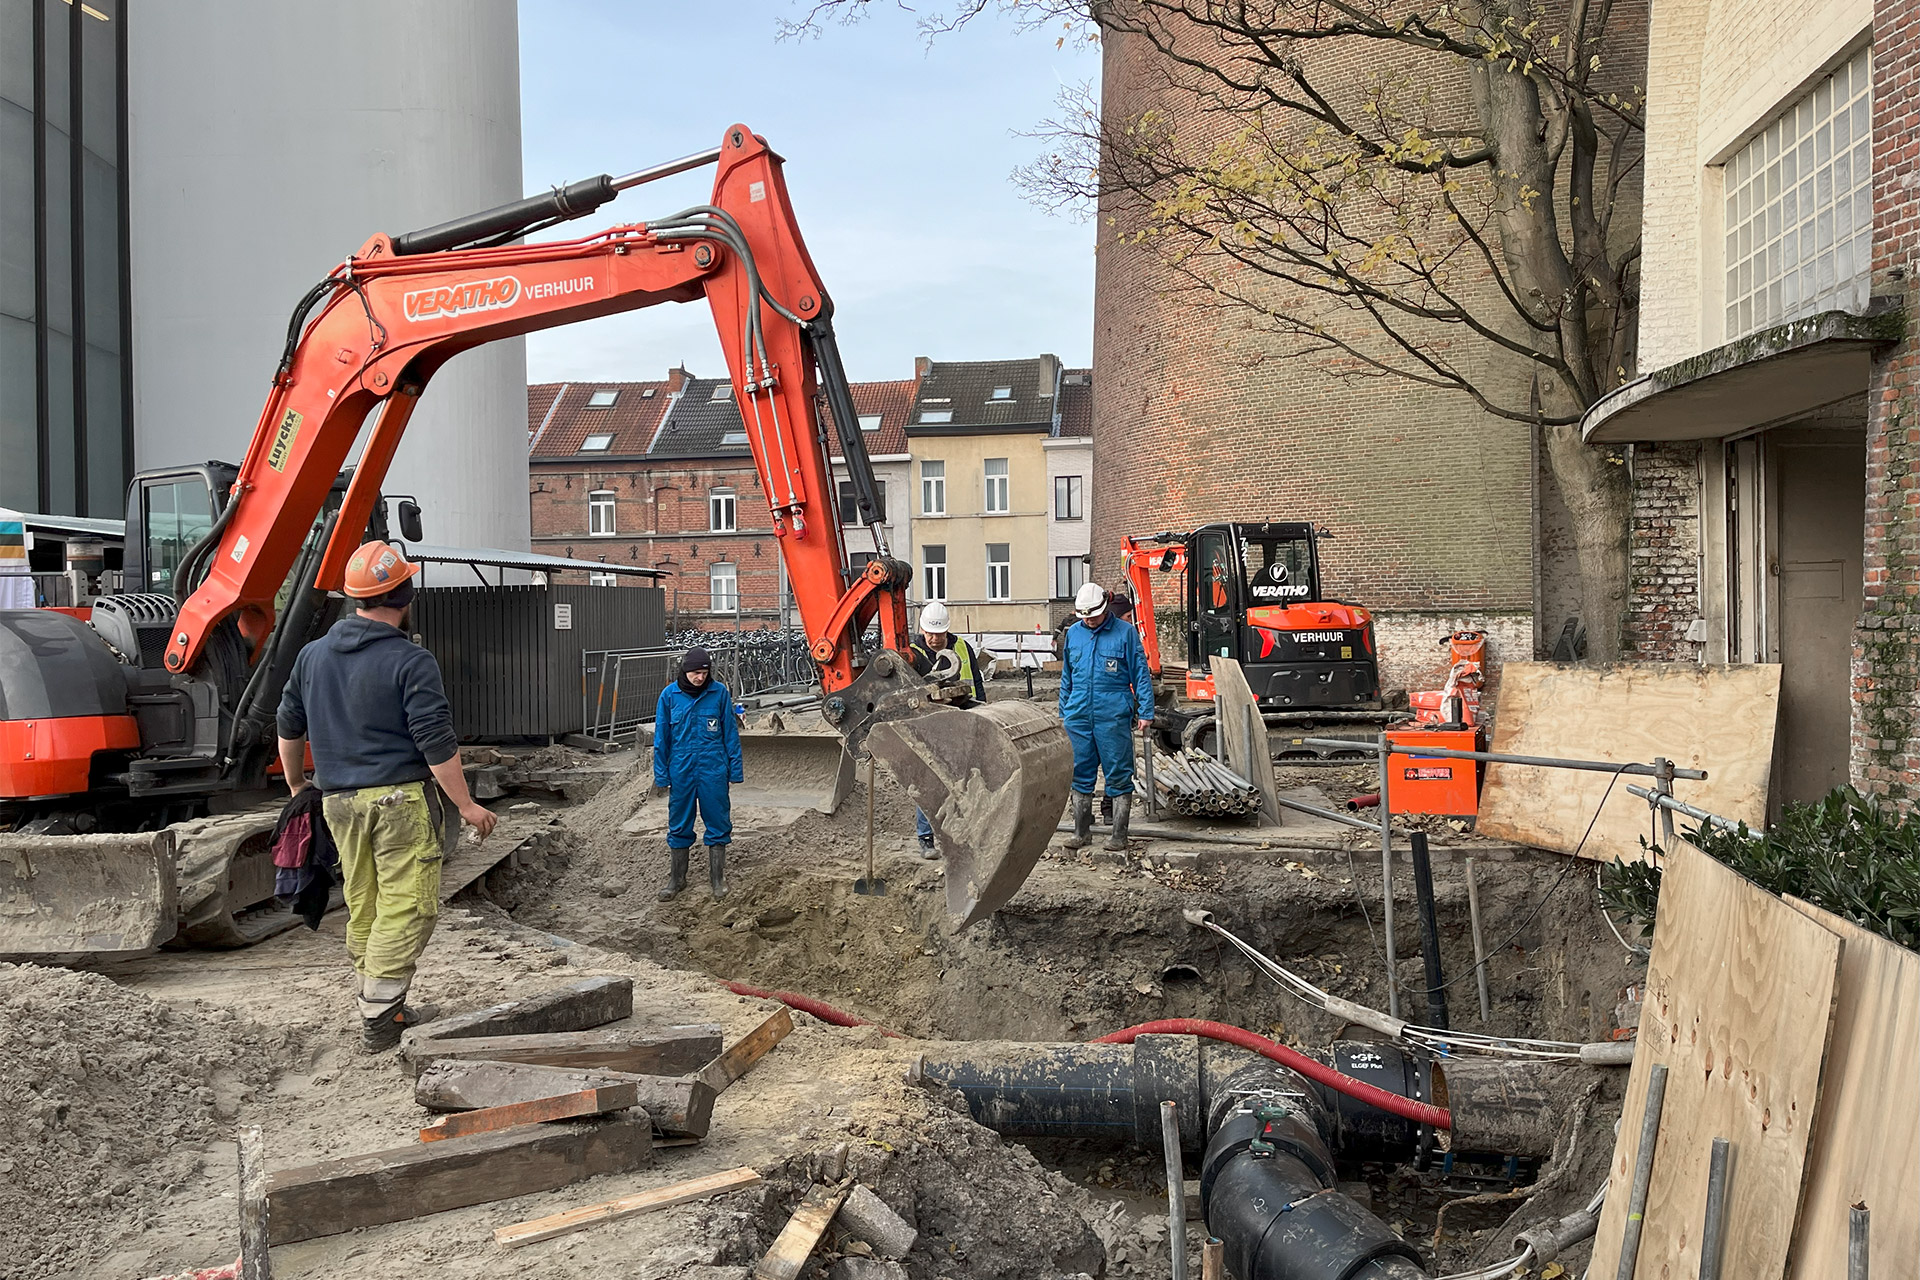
x: 382, y: 1033
x: 926, y: 848
x: 1082, y: 821
x: 676, y: 874
x: 717, y: 869
x: 1106, y: 810
x: 1122, y: 811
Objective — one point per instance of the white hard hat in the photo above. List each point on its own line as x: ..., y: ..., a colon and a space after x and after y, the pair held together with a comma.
x: 934, y: 618
x: 1090, y: 600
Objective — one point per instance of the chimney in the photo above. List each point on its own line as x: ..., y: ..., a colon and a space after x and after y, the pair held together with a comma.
x: 676, y: 379
x: 920, y: 366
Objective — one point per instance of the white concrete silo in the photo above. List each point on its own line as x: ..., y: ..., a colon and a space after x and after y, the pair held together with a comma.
x: 268, y: 141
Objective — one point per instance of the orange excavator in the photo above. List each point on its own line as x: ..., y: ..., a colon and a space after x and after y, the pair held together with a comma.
x: 151, y: 707
x: 1251, y: 591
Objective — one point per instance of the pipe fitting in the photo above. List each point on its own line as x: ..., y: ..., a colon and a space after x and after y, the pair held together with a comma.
x: 1550, y: 1239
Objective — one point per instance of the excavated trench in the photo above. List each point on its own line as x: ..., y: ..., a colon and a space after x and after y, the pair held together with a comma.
x: 1088, y: 948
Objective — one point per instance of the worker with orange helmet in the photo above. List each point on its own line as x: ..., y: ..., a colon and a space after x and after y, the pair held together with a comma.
x: 386, y: 760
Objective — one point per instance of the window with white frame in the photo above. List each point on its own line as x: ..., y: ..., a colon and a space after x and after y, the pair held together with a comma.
x: 721, y: 509
x: 998, y: 491
x: 724, y: 391
x: 603, y: 399
x: 850, y: 502
x: 1799, y: 211
x: 1069, y: 573
x: 600, y: 513
x: 599, y: 579
x: 934, y: 562
x: 933, y: 488
x: 999, y: 571
x: 936, y: 416
x: 596, y: 444
x: 869, y: 422
x: 1066, y: 498
x: 723, y: 588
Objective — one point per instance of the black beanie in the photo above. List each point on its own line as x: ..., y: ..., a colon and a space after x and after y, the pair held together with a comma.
x: 697, y: 659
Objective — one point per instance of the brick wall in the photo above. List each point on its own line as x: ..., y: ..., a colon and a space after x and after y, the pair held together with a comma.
x: 1200, y: 415
x: 1664, y: 554
x: 1885, y: 756
x: 661, y: 520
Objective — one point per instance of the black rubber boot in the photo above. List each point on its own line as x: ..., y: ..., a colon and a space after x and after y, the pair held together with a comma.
x: 1106, y: 810
x: 717, y: 869
x: 927, y: 849
x: 1122, y: 812
x: 676, y: 874
x: 1082, y: 821
x: 383, y: 1033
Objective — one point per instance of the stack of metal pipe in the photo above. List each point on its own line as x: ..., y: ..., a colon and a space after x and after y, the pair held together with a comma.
x: 1193, y: 784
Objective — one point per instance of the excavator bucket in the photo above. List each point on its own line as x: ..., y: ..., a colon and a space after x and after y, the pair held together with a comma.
x: 794, y: 761
x: 992, y: 782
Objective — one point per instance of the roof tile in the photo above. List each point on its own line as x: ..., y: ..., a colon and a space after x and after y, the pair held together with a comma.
x: 965, y: 389
x: 631, y: 419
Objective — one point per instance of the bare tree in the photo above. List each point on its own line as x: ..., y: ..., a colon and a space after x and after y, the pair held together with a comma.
x: 1436, y: 191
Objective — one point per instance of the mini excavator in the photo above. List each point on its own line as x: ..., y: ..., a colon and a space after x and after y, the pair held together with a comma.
x: 142, y: 711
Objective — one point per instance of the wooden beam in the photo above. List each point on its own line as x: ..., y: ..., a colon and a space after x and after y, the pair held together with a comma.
x: 739, y: 1059
x: 409, y: 1182
x: 798, y: 1239
x: 565, y: 1106
x: 667, y: 1051
x: 578, y: 1006
x: 253, y: 1205
x: 681, y: 1106
x: 560, y: 1224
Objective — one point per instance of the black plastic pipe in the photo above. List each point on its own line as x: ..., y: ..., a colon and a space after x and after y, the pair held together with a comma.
x: 1429, y: 931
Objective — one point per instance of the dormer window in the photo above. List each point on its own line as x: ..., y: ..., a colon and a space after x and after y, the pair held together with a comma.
x: 603, y: 399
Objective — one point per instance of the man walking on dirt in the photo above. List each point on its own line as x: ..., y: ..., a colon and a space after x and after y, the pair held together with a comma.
x: 1106, y: 688
x: 371, y: 703
x: 958, y: 664
x: 696, y: 755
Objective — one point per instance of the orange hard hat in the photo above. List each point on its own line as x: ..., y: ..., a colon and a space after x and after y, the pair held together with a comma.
x: 377, y: 568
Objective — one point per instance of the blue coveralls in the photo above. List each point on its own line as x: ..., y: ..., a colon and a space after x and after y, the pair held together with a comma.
x: 696, y: 752
x: 1105, y: 685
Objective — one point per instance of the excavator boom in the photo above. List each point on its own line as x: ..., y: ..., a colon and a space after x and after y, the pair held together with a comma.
x: 370, y: 337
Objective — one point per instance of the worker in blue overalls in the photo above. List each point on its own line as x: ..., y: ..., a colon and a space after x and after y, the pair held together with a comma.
x: 696, y: 755
x: 1106, y: 689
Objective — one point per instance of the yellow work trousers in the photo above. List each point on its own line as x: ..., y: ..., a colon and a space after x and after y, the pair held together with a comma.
x: 392, y: 841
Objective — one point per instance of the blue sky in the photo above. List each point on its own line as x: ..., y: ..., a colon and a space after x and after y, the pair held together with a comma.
x: 898, y: 161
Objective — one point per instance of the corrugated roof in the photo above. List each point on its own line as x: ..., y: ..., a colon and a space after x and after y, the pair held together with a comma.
x: 698, y: 426
x: 966, y: 389
x: 893, y: 401
x: 1076, y: 403
x: 631, y: 419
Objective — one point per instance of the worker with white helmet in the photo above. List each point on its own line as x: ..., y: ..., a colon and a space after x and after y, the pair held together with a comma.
x: 952, y: 658
x: 1106, y: 688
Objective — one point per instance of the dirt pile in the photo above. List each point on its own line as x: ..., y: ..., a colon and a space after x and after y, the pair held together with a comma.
x: 110, y: 1096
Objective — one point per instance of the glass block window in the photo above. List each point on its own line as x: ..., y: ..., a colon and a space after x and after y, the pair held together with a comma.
x: 1799, y: 213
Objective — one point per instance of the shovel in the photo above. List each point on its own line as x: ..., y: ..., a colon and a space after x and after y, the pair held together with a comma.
x: 871, y: 886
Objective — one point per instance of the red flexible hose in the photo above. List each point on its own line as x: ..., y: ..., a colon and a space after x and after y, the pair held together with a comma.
x: 807, y: 1004
x: 1359, y: 1090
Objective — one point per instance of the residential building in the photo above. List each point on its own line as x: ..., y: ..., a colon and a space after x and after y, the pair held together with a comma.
x: 170, y: 186
x: 1069, y: 453
x: 587, y: 446
x: 883, y: 409
x: 982, y: 497
x: 1772, y: 449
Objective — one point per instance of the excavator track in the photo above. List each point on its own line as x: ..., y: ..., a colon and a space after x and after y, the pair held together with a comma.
x: 226, y: 881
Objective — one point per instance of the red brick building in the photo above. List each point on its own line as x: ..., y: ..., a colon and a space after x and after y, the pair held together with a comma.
x: 660, y: 474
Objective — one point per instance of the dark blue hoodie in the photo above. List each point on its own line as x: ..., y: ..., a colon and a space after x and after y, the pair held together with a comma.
x: 371, y: 703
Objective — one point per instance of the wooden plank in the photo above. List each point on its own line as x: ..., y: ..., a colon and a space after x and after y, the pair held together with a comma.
x: 1720, y: 719
x: 1866, y: 1127
x: 1236, y: 709
x: 254, y: 1262
x: 409, y: 1182
x: 667, y: 1051
x: 560, y: 1224
x: 681, y: 1106
x: 739, y: 1059
x: 1739, y: 1004
x: 578, y: 1006
x: 564, y: 1106
x: 798, y: 1239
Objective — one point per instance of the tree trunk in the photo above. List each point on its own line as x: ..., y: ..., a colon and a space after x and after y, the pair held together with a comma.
x: 1594, y: 488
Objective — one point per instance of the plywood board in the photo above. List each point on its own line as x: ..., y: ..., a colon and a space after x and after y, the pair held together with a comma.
x: 1866, y: 1127
x: 1739, y: 1004
x: 1720, y: 719
x: 1236, y: 710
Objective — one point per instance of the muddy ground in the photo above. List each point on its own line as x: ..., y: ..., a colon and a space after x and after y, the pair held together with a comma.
x: 125, y: 1085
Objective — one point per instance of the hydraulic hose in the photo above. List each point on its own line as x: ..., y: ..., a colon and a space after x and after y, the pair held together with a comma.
x: 807, y: 1004
x: 1318, y: 1072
